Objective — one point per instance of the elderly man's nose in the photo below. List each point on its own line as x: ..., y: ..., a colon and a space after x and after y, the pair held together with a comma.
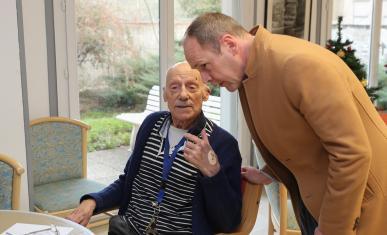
x: 183, y: 93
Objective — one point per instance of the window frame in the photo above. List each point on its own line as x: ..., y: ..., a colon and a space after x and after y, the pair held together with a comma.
x: 377, y: 8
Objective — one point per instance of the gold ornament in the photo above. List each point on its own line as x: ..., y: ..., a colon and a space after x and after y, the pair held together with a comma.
x: 341, y: 53
x: 364, y: 82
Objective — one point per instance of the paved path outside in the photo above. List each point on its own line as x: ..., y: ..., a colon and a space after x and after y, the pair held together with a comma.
x: 105, y: 166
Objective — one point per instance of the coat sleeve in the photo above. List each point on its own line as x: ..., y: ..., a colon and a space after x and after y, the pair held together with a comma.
x: 222, y: 192
x: 111, y: 196
x: 321, y: 91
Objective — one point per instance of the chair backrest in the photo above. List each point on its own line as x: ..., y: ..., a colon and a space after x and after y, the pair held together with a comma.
x: 250, y: 204
x: 59, y: 149
x: 211, y: 107
x: 10, y: 172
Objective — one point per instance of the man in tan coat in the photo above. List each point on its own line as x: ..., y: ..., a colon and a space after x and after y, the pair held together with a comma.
x: 310, y: 117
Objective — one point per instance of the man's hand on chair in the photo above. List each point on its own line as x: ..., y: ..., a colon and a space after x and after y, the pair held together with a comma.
x: 255, y: 176
x: 83, y: 212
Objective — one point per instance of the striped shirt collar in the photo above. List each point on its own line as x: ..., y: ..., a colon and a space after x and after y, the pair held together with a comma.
x: 197, y: 127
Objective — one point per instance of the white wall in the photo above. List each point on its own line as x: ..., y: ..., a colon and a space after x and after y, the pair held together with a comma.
x: 36, y: 57
x: 12, y: 139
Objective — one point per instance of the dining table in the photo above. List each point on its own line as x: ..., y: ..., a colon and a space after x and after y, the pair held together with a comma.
x: 9, y: 218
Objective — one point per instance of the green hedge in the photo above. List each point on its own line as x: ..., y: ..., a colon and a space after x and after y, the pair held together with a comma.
x: 106, y: 132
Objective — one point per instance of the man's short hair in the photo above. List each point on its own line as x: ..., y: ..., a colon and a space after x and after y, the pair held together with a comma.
x: 208, y: 27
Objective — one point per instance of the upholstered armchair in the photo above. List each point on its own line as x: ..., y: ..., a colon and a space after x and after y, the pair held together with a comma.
x: 59, y: 164
x: 10, y: 172
x: 281, y: 214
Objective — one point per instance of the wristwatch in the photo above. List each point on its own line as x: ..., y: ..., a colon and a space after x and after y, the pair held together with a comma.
x: 212, y: 158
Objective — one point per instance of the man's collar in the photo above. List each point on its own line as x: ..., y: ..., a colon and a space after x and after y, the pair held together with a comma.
x: 260, y: 39
x: 196, y: 128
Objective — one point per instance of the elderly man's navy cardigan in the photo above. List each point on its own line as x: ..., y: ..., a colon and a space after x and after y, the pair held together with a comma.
x: 216, y: 206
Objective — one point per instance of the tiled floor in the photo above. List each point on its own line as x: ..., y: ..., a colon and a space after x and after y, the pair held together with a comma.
x: 105, y: 166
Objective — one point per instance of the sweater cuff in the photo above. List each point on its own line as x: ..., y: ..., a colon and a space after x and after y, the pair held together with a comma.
x: 219, y: 178
x: 97, y: 199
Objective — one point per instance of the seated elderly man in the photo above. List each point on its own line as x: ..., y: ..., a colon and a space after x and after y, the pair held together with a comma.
x: 183, y: 176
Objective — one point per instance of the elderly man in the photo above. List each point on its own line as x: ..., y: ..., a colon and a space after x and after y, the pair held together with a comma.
x: 183, y: 176
x: 314, y: 124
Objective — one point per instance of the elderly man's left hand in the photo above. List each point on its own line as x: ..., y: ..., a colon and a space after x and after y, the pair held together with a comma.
x: 199, y: 153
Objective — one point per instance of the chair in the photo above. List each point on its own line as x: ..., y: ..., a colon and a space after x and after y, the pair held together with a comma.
x: 59, y: 164
x: 281, y: 214
x: 250, y: 203
x: 211, y: 109
x: 10, y: 172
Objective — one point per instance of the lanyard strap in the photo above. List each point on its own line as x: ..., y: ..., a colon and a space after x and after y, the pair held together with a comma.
x: 167, y: 165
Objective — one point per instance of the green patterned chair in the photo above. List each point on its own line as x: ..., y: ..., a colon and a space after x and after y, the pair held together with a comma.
x: 10, y: 172
x: 59, y: 164
x: 281, y: 214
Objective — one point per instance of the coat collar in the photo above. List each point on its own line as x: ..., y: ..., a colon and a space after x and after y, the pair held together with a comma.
x: 256, y: 51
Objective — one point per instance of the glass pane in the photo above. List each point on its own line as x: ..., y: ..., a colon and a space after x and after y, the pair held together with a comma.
x: 357, y: 18
x: 185, y: 12
x: 288, y: 17
x: 118, y: 63
x: 382, y: 71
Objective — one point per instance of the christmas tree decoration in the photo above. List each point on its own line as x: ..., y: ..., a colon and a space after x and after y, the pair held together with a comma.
x: 345, y: 51
x: 341, y: 54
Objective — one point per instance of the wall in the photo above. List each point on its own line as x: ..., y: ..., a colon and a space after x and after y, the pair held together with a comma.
x: 36, y: 57
x: 12, y: 139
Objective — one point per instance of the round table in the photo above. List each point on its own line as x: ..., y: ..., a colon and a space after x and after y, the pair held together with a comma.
x: 10, y: 217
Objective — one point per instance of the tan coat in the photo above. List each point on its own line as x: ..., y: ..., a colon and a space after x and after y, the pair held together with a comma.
x: 304, y: 106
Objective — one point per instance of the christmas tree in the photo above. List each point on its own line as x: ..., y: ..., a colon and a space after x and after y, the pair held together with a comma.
x: 347, y: 54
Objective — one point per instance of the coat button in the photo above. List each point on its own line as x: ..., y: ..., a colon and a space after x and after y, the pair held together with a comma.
x: 357, y: 221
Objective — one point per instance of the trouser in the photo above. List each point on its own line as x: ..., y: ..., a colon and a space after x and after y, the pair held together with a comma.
x: 308, y: 223
x: 119, y: 226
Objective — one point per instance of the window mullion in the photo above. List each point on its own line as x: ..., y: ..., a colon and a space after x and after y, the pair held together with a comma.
x: 375, y: 42
x: 166, y: 43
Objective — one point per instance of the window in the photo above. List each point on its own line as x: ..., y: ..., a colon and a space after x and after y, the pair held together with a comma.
x: 357, y: 18
x: 382, y: 65
x: 365, y: 23
x: 185, y: 12
x: 117, y: 64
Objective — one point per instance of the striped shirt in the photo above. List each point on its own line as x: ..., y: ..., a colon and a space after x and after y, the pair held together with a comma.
x: 176, y: 208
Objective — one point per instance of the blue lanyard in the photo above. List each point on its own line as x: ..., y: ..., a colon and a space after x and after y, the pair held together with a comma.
x: 167, y: 165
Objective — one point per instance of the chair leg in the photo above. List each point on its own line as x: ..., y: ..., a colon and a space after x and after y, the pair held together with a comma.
x: 271, y: 226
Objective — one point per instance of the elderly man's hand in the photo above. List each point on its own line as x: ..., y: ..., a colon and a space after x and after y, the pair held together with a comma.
x: 83, y: 213
x: 199, y: 153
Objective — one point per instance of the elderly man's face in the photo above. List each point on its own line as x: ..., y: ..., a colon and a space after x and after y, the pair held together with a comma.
x: 223, y: 69
x: 184, y: 92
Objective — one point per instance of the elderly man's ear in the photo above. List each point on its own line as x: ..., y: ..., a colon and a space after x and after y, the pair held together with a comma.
x: 206, y: 92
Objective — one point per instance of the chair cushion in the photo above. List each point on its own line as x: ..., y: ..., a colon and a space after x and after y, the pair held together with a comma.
x: 63, y: 195
x: 6, y: 175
